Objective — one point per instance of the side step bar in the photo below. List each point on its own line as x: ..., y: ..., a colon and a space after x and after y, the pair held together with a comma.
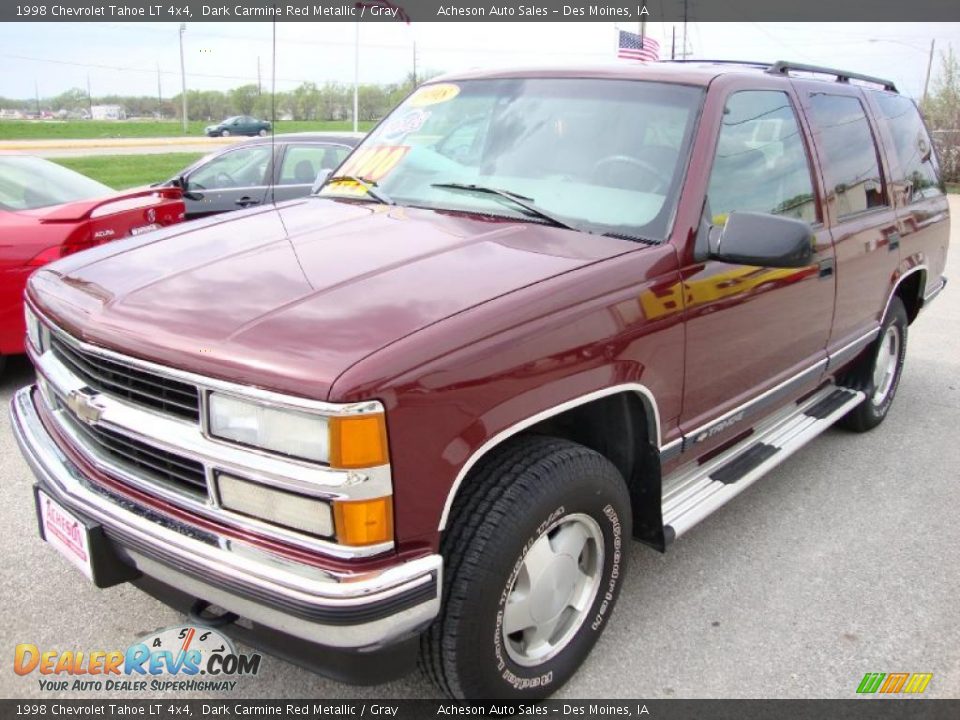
x: 695, y: 491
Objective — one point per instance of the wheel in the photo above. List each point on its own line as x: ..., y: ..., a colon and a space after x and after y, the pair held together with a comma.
x: 224, y: 133
x: 878, y: 372
x: 3, y: 364
x: 533, y: 563
x: 263, y: 132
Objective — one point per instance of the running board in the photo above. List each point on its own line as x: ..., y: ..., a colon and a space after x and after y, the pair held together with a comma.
x: 696, y: 490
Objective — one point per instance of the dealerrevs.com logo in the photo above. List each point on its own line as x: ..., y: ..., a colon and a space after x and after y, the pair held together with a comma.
x: 185, y: 658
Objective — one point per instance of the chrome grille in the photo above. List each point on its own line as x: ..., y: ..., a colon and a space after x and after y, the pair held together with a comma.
x: 169, y: 468
x: 137, y: 386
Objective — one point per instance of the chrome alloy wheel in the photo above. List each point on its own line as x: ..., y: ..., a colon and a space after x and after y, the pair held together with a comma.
x: 553, y: 591
x: 885, y: 365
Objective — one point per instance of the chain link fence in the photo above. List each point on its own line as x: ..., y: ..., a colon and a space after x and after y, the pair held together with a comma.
x: 947, y: 143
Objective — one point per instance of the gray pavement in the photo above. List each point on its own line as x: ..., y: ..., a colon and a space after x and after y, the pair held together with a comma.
x: 844, y: 560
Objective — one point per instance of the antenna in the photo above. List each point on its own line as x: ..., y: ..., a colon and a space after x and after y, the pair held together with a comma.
x: 273, y: 113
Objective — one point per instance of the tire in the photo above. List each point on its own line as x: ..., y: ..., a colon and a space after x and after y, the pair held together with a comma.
x: 262, y: 132
x: 878, y: 371
x: 523, y: 501
x: 224, y: 133
x: 3, y: 364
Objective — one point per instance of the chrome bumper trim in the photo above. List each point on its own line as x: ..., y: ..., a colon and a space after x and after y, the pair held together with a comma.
x: 338, y: 609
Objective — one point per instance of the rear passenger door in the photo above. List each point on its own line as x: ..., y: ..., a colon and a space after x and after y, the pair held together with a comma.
x: 301, y: 164
x: 859, y: 212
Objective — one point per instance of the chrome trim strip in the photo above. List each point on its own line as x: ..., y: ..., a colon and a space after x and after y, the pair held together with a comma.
x: 893, y: 290
x: 261, y: 571
x: 931, y: 296
x: 851, y: 348
x: 750, y: 405
x: 650, y: 405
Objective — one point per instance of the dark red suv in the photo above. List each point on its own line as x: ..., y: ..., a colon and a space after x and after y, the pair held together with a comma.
x: 534, y: 315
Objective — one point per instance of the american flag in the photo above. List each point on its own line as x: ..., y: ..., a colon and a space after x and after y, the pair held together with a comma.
x: 634, y: 47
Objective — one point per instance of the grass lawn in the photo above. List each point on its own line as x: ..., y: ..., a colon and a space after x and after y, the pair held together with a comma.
x: 125, y: 171
x: 84, y: 129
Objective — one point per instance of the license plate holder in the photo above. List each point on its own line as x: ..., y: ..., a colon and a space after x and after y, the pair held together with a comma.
x: 82, y: 543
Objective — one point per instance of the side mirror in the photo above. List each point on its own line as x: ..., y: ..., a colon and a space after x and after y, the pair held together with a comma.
x: 762, y: 240
x: 183, y: 182
x: 321, y: 179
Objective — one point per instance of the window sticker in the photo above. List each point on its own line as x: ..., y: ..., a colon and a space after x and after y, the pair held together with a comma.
x: 405, y: 124
x: 371, y: 164
x: 433, y: 94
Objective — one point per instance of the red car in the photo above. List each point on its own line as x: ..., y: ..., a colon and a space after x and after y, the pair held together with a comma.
x: 48, y: 212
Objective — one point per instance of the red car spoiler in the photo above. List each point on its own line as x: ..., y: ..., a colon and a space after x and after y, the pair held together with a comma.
x: 83, y: 209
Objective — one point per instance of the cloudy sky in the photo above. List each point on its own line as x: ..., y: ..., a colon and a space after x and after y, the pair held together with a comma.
x: 124, y: 58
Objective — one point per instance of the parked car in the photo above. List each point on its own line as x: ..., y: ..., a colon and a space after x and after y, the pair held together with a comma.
x: 533, y: 315
x: 239, y: 125
x: 48, y: 212
x: 261, y: 170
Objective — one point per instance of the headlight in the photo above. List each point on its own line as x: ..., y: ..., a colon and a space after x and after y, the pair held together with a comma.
x: 281, y: 430
x: 36, y: 332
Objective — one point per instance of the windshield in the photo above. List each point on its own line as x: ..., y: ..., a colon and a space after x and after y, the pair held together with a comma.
x: 28, y: 183
x: 603, y: 156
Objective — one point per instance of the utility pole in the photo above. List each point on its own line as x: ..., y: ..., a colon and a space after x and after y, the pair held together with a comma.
x: 159, y: 93
x: 356, y: 76
x: 673, y: 43
x: 683, y: 52
x: 926, y: 82
x: 89, y: 97
x: 259, y: 90
x: 36, y: 92
x: 183, y: 79
x: 414, y: 64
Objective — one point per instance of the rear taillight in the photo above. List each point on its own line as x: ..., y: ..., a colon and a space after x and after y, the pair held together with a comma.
x: 79, y: 240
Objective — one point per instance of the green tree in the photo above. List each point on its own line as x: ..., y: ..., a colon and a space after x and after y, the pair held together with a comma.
x: 942, y: 112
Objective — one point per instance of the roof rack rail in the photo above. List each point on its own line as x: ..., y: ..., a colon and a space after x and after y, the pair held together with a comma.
x: 782, y: 67
x: 747, y: 63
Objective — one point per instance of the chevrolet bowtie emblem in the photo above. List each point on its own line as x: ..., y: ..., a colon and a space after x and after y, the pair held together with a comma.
x: 84, y: 407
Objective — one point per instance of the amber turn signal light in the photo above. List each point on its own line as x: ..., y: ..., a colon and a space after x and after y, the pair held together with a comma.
x: 358, y: 441
x: 364, y: 522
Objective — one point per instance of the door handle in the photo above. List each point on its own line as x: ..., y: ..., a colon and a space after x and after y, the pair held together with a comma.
x: 246, y: 201
x: 826, y: 267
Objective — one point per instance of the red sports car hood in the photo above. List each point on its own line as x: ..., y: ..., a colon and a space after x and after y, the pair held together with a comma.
x: 289, y: 298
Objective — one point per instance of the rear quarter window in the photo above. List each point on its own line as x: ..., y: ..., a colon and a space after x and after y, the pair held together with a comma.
x: 917, y: 172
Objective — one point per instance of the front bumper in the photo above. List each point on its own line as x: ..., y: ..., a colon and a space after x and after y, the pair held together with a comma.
x: 365, y: 610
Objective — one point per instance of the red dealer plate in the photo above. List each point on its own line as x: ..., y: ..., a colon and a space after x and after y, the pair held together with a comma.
x: 65, y: 532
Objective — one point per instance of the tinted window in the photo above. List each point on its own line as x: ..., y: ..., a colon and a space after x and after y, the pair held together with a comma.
x: 301, y: 163
x: 246, y: 167
x: 918, y: 171
x: 848, y: 152
x: 761, y: 161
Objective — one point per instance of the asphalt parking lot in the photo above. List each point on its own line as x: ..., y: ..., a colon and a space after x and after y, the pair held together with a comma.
x: 844, y: 560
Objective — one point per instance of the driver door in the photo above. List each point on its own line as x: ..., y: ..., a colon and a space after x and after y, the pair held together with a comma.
x: 232, y: 180
x: 755, y: 336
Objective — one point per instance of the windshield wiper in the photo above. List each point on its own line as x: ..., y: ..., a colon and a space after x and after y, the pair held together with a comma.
x: 368, y: 185
x: 521, y: 201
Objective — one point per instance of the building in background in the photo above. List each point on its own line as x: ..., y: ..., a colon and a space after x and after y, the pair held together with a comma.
x: 108, y: 112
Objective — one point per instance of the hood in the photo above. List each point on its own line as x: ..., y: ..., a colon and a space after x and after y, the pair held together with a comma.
x: 288, y: 298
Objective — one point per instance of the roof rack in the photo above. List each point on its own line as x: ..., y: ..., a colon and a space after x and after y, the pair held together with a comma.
x: 747, y: 63
x: 782, y: 67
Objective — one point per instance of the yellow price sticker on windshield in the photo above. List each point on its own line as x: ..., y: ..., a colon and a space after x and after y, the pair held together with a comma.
x: 433, y: 94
